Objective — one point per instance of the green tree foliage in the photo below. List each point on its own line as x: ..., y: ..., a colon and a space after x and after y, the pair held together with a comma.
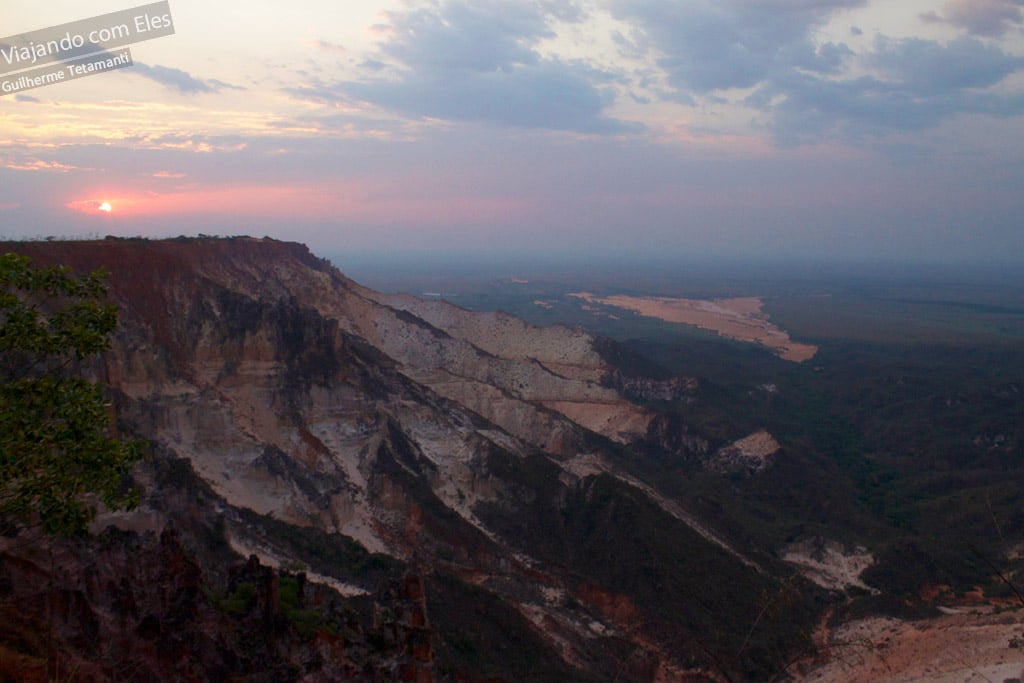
x: 57, y: 456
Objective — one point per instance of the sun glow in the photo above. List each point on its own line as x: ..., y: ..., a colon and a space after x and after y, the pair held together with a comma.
x: 105, y: 207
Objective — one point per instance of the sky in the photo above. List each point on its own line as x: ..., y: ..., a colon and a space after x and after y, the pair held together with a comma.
x: 808, y: 129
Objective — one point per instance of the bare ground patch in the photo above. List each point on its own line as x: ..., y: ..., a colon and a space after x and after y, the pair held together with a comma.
x: 955, y: 648
x: 739, y: 318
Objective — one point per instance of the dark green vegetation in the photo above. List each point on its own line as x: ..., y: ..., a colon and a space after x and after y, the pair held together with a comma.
x: 479, y: 632
x: 55, y: 443
x: 609, y: 534
x: 914, y: 452
x: 905, y: 433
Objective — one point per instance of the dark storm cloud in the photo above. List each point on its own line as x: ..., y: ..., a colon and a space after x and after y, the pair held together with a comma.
x: 478, y: 62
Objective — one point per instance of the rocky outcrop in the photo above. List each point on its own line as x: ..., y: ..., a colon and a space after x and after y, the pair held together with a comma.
x: 400, y: 613
x: 523, y: 378
x: 750, y: 455
x: 648, y: 389
x: 131, y: 607
x: 672, y: 435
x: 829, y: 563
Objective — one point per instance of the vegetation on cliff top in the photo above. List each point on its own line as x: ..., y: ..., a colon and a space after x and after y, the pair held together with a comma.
x: 55, y: 443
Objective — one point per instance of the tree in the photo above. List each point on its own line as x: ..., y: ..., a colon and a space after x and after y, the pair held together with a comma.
x: 57, y: 455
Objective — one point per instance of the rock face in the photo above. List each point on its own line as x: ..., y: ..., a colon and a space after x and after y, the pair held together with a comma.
x: 128, y: 608
x: 307, y: 422
x: 829, y: 564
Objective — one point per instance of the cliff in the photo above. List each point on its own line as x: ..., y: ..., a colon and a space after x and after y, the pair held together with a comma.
x: 354, y: 438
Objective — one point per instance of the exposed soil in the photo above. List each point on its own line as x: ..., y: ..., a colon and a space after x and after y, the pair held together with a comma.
x: 829, y: 564
x: 966, y: 646
x: 739, y: 318
x: 751, y: 453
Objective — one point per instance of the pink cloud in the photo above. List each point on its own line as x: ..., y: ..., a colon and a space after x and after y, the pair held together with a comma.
x: 37, y: 165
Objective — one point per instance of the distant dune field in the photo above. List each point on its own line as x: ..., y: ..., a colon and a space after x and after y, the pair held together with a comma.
x: 739, y: 318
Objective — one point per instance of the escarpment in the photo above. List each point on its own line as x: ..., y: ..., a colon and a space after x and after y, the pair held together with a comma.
x: 356, y: 439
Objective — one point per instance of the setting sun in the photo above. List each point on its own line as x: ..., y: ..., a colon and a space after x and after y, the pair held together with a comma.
x: 105, y: 206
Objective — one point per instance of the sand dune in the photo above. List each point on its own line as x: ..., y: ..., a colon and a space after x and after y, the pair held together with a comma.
x: 739, y: 318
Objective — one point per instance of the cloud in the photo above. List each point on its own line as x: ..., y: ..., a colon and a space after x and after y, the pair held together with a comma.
x: 35, y: 164
x: 548, y: 95
x: 812, y: 90
x: 483, y: 36
x: 916, y: 84
x: 990, y: 18
x: 930, y: 67
x: 26, y: 98
x: 329, y: 47
x: 710, y: 45
x: 479, y: 62
x: 180, y: 80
